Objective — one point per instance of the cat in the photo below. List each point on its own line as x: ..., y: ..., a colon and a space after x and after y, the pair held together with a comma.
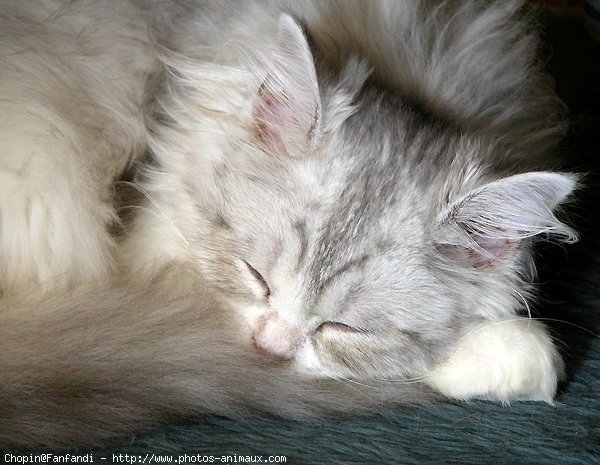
x: 337, y: 206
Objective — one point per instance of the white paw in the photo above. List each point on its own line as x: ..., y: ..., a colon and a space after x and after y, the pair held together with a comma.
x: 501, y: 360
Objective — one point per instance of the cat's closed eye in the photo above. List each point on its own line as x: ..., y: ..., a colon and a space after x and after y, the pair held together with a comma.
x: 337, y: 326
x: 260, y: 280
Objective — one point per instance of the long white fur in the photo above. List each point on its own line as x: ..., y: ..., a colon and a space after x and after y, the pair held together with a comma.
x: 501, y: 360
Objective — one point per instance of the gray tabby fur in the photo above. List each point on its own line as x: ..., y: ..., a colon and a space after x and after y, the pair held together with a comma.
x: 339, y: 205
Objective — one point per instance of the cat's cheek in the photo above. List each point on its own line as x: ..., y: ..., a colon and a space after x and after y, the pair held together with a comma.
x: 249, y: 314
x: 308, y: 363
x: 312, y: 360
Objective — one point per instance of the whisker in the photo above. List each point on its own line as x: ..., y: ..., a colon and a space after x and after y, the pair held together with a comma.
x: 413, y: 380
x: 347, y: 382
x: 555, y: 320
x: 525, y: 302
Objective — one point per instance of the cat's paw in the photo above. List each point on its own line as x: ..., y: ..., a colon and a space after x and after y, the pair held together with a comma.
x: 501, y: 360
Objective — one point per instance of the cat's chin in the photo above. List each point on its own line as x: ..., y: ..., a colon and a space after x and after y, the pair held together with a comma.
x: 307, y: 363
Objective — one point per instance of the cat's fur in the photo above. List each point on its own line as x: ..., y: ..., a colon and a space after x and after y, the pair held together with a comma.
x: 339, y: 205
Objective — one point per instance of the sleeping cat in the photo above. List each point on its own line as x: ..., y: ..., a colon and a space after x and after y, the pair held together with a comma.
x: 337, y: 206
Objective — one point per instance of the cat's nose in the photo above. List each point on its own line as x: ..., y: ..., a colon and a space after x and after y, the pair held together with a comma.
x: 278, y: 337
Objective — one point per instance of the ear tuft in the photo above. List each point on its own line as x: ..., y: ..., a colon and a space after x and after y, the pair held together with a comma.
x: 287, y: 112
x: 489, y: 222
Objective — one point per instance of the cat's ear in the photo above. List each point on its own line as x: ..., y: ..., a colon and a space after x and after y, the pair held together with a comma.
x: 487, y: 224
x: 287, y: 111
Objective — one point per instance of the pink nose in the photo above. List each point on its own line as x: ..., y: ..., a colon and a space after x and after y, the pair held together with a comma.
x: 278, y: 337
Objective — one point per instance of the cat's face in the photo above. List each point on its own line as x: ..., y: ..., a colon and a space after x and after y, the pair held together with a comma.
x: 356, y: 239
x: 333, y: 278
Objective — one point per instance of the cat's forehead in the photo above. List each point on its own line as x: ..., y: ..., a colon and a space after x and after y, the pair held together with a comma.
x: 358, y: 191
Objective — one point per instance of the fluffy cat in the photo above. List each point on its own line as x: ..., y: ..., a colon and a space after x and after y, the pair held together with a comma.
x: 338, y: 205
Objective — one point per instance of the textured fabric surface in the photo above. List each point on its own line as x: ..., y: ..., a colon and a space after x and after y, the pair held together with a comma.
x: 479, y: 432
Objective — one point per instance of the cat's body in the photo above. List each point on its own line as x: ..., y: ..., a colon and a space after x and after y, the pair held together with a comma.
x: 361, y: 208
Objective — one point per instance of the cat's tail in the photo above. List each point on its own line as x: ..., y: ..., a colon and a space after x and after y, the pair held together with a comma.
x: 95, y: 364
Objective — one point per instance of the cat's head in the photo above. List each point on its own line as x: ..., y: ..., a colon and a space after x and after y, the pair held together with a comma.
x: 357, y: 236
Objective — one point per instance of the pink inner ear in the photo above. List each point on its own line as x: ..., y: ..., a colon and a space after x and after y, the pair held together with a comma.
x: 498, y: 247
x: 485, y: 251
x: 488, y: 224
x: 273, y: 116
